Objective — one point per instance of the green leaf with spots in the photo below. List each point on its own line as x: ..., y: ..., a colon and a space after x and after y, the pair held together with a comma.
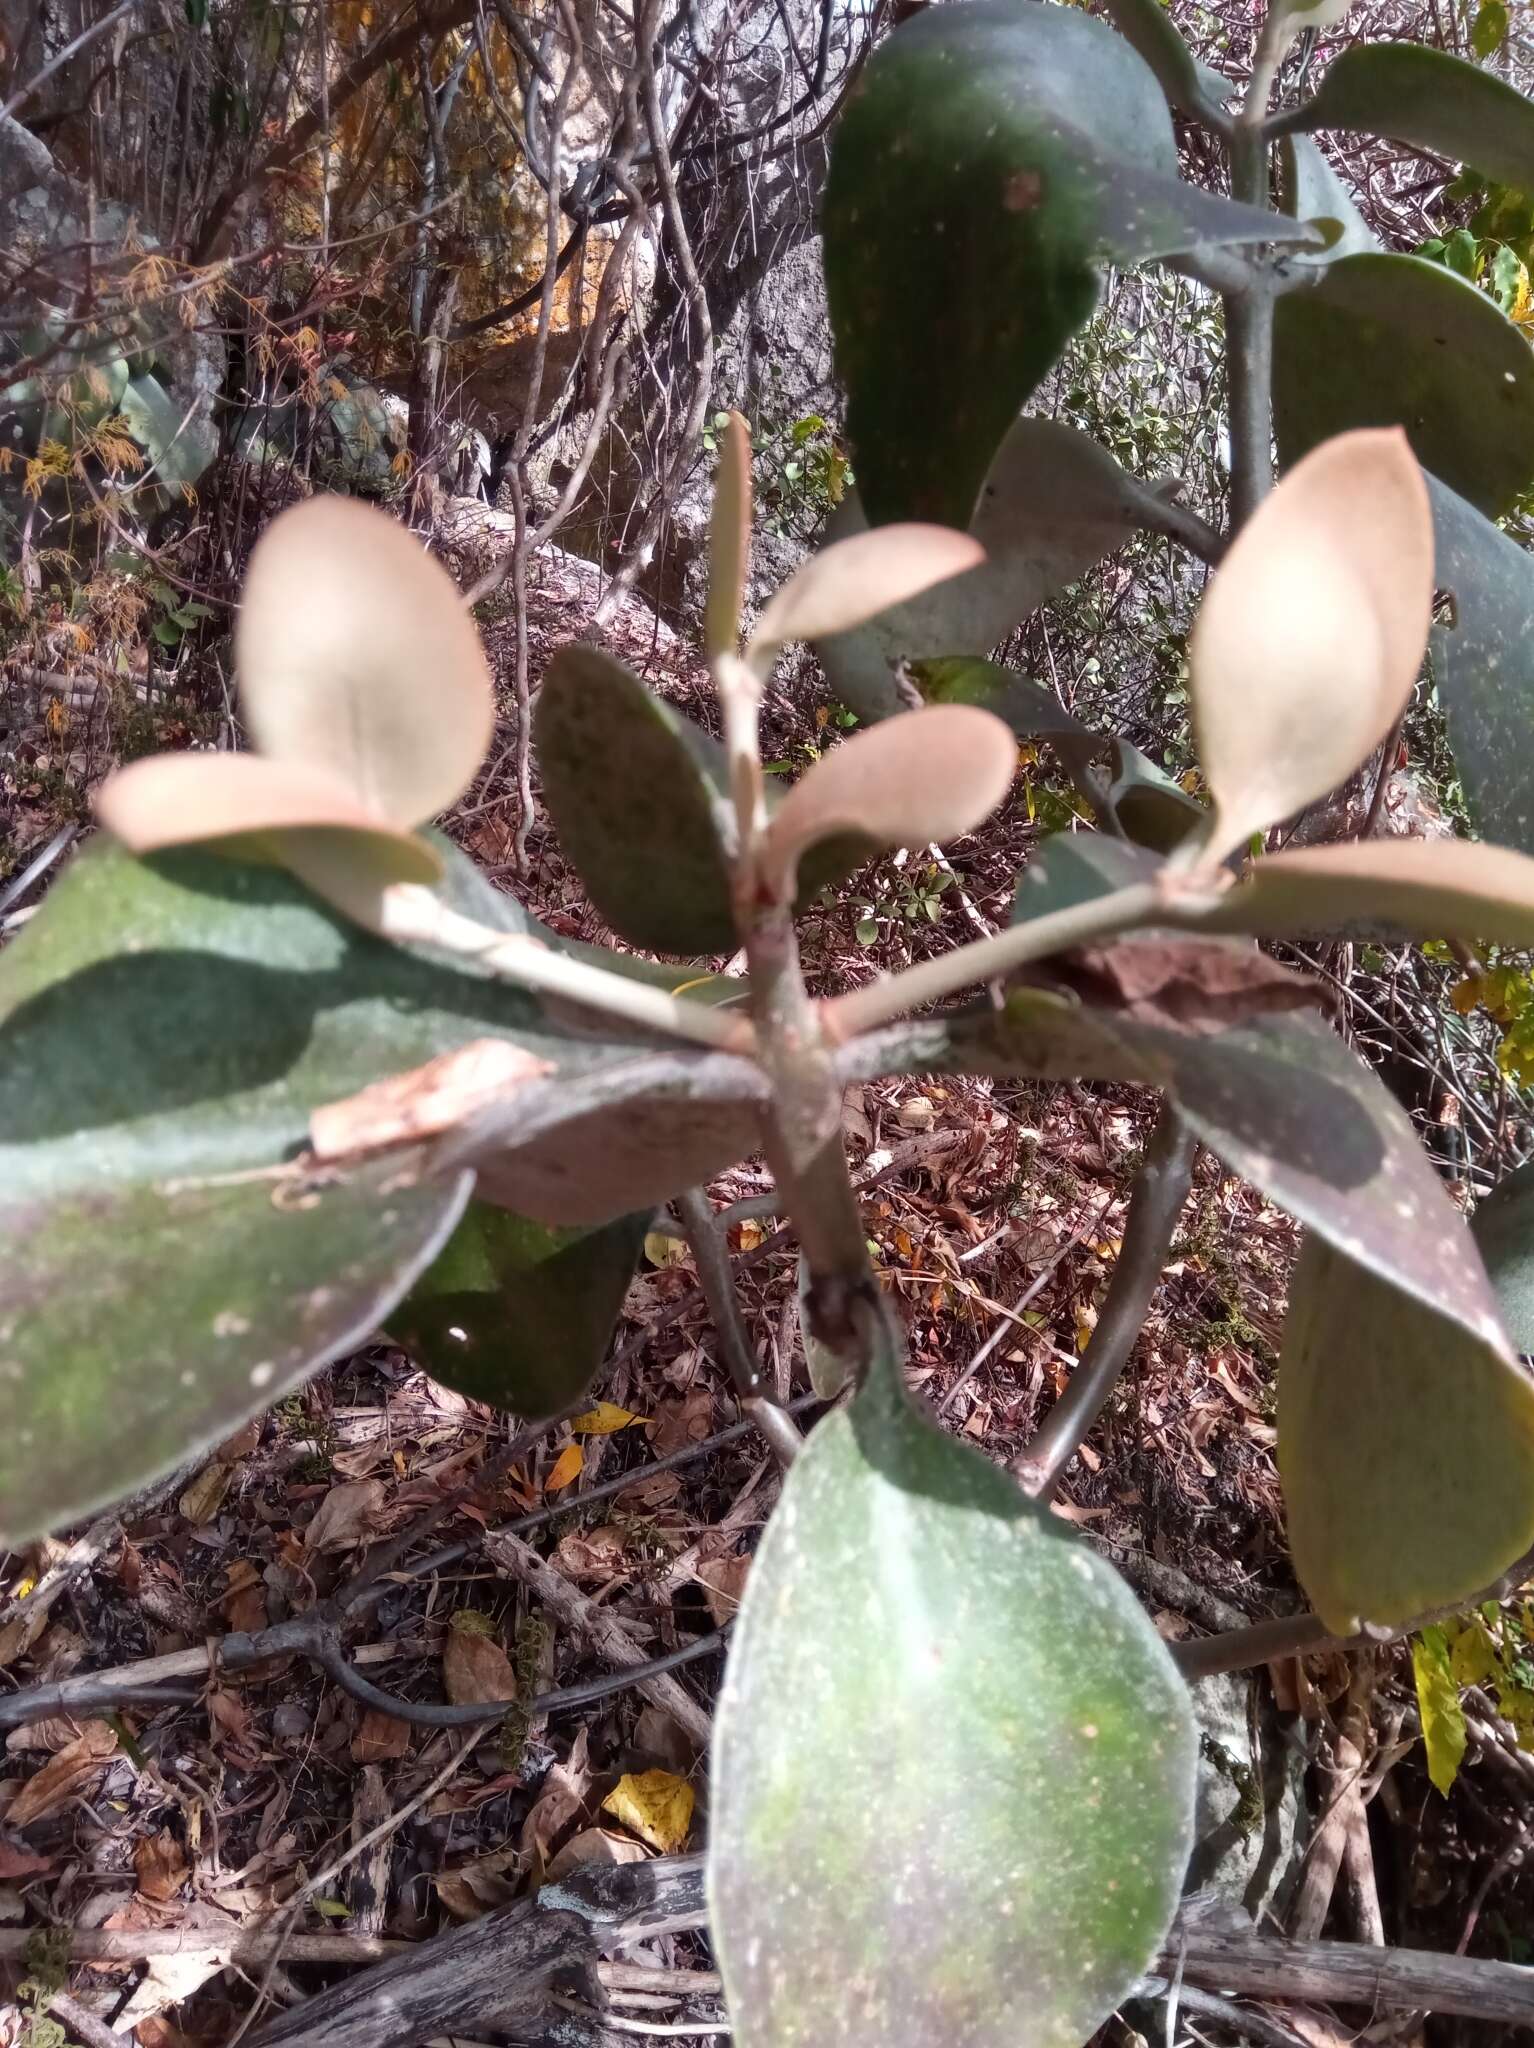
x: 518, y: 1314
x: 1387, y: 341
x: 1430, y: 101
x: 953, y: 1762
x: 1483, y: 664
x: 1503, y: 1227
x: 1405, y: 1445
x: 640, y: 799
x: 167, y: 1028
x: 994, y: 155
x: 143, y: 1319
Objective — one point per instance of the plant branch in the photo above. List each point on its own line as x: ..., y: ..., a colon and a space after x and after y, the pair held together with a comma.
x: 315, y: 1637
x: 1249, y: 307
x: 863, y: 1009
x: 714, y: 1276
x: 410, y: 915
x: 1161, y: 1188
x: 1298, y: 1635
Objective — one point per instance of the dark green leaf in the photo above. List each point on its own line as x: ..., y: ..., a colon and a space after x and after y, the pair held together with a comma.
x: 1483, y: 664
x: 994, y: 154
x: 1150, y: 807
x: 1053, y: 503
x: 166, y: 1030
x: 1503, y: 1227
x: 953, y: 1763
x: 1382, y: 341
x: 1406, y: 1447
x: 516, y: 1314
x: 640, y: 798
x: 1431, y: 101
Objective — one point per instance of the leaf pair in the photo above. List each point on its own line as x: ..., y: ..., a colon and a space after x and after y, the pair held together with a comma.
x: 365, y: 690
x: 856, y: 578
x: 640, y: 798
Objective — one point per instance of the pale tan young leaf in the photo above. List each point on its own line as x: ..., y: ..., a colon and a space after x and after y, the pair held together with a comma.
x: 1310, y: 638
x: 927, y: 776
x: 856, y: 579
x: 1438, y: 888
x: 354, y: 653
x: 729, y: 540
x: 279, y: 812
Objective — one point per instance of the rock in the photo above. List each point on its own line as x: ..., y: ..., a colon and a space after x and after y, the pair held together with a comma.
x: 1250, y: 1814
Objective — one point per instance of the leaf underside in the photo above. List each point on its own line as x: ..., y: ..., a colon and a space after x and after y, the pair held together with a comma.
x: 515, y: 1313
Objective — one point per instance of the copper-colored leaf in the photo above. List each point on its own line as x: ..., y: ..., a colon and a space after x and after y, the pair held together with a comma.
x: 729, y: 540
x: 252, y: 808
x: 380, y: 1739
x: 927, y: 776
x: 1184, y: 984
x: 424, y: 1103
x: 160, y: 1864
x: 63, y: 1775
x: 475, y: 1669
x: 347, y: 1516
x: 856, y: 579
x: 566, y: 1467
x: 1308, y: 643
x: 354, y: 651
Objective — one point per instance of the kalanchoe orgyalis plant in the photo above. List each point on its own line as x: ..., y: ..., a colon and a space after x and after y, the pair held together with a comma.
x: 279, y: 1067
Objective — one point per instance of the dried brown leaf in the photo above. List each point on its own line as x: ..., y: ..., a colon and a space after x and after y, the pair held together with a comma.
x: 64, y: 1775
x: 380, y: 1739
x: 475, y: 1670
x: 347, y: 1516
x: 1194, y: 985
x: 160, y: 1864
x: 424, y: 1103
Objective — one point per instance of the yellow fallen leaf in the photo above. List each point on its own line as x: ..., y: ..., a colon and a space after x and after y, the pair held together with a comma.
x: 663, y: 1250
x: 751, y: 1234
x: 656, y: 1805
x: 603, y: 1419
x: 567, y: 1466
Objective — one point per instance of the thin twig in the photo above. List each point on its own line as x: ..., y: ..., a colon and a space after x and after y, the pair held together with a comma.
x: 711, y: 1255
x: 1161, y: 1188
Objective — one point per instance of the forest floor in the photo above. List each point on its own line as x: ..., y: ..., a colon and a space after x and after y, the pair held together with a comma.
x: 995, y: 1213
